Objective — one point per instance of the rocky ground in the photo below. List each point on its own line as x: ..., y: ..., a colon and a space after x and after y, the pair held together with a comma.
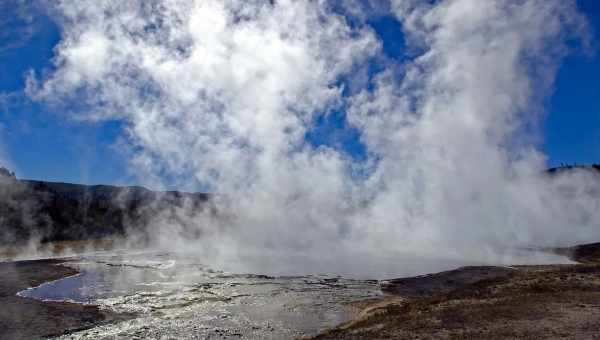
x: 22, y: 318
x: 524, y: 302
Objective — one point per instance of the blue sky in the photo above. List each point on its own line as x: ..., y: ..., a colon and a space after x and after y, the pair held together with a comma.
x: 43, y: 144
x: 572, y: 128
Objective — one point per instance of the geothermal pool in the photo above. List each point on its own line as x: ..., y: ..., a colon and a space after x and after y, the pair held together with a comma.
x: 176, y: 297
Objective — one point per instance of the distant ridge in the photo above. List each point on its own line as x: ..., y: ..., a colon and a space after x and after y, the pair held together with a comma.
x: 54, y: 211
x: 51, y: 211
x: 566, y: 167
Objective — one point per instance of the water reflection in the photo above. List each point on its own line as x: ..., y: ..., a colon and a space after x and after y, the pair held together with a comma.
x: 177, y: 295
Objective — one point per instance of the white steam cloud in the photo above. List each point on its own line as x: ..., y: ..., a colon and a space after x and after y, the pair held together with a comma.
x: 219, y: 95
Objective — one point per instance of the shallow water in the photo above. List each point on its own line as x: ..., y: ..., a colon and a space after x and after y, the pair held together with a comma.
x: 176, y: 297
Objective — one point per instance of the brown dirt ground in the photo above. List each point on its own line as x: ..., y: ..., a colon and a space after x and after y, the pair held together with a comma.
x: 527, y: 302
x: 23, y: 318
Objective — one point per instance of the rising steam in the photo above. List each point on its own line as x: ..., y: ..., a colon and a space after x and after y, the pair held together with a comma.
x: 220, y: 95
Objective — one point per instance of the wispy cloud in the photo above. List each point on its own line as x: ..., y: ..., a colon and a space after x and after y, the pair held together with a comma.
x: 18, y: 23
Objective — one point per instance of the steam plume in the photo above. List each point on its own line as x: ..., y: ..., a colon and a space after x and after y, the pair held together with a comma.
x: 219, y: 96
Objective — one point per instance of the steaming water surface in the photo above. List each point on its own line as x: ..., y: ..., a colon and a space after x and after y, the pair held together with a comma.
x: 176, y: 297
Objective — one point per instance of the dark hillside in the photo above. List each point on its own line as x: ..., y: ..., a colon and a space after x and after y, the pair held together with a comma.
x: 51, y: 211
x: 62, y: 211
x: 566, y: 168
